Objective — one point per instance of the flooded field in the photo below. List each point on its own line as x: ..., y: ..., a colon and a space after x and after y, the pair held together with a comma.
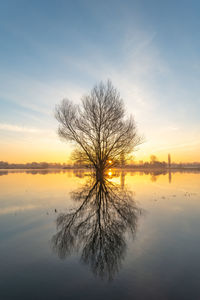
x: 64, y: 235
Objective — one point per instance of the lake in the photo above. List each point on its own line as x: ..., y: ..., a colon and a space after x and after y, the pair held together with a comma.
x: 135, y: 235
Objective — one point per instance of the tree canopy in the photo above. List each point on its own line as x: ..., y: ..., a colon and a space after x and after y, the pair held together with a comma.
x: 99, y: 127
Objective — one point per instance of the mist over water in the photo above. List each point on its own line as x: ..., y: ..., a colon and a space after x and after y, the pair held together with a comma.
x: 64, y: 235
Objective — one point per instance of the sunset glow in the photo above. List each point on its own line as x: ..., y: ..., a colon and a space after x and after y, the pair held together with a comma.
x: 154, y: 63
x: 99, y: 149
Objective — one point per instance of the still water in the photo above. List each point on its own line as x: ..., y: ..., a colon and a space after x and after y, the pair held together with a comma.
x: 130, y: 236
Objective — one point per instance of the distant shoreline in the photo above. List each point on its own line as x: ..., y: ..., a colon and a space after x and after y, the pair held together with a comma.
x: 139, y: 169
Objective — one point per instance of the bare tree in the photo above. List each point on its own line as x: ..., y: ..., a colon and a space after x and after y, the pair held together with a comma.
x: 99, y: 127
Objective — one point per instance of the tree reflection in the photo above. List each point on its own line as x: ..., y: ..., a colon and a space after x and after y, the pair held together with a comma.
x: 97, y: 226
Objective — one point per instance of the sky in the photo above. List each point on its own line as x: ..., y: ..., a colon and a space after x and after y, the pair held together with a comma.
x: 50, y: 50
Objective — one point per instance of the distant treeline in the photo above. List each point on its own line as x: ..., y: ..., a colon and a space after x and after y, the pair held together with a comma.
x: 140, y: 165
x: 34, y: 165
x: 164, y: 165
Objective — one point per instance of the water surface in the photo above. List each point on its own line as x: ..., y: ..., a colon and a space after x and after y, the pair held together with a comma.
x: 136, y: 236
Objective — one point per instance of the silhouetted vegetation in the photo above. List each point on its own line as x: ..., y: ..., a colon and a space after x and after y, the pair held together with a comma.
x: 34, y: 165
x: 99, y: 128
x: 78, y: 165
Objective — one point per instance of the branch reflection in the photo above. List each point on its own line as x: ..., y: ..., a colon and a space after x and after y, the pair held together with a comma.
x: 97, y: 226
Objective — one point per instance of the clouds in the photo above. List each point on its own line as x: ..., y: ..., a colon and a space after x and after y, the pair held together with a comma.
x: 22, y: 129
x: 63, y: 55
x: 37, y: 95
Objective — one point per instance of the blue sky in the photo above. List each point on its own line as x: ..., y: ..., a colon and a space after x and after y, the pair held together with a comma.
x: 52, y: 50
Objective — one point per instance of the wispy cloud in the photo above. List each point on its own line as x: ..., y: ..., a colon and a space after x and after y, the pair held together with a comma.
x: 37, y: 95
x: 24, y: 129
x: 192, y: 145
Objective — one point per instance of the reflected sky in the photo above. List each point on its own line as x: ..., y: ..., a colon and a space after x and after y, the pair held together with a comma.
x: 154, y: 254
